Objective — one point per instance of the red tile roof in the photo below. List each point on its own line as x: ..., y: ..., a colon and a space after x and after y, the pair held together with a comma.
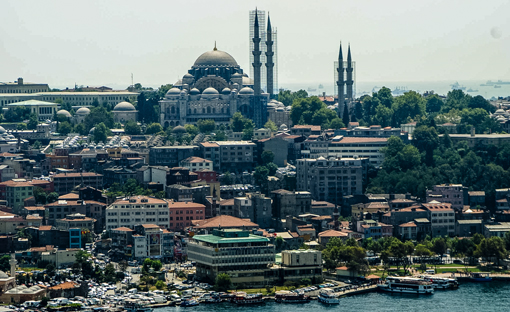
x: 225, y: 222
x: 333, y: 233
x: 123, y: 229
x: 180, y: 205
x: 66, y: 285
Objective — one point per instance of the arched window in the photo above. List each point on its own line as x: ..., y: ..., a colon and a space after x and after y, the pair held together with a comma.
x: 173, y: 109
x: 203, y: 110
x: 208, y: 109
x: 214, y: 110
x: 189, y: 111
x: 195, y: 111
x: 222, y: 110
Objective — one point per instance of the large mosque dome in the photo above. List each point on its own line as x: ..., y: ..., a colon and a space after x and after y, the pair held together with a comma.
x: 215, y: 58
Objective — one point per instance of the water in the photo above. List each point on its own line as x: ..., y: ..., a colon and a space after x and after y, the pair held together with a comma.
x: 439, y: 87
x: 494, y: 296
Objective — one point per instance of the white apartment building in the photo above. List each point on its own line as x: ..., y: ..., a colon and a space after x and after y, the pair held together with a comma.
x: 73, y: 98
x: 349, y: 147
x: 152, y: 242
x: 197, y: 163
x: 135, y: 210
x: 442, y: 218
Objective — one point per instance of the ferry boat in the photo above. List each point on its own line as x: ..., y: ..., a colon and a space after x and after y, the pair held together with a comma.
x: 137, y: 306
x: 189, y: 303
x: 480, y: 277
x: 242, y: 298
x: 407, y: 285
x: 441, y: 282
x: 328, y: 296
x: 285, y: 296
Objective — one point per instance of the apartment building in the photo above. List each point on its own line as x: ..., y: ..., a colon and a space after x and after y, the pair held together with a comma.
x: 66, y: 182
x: 442, y: 218
x: 171, y: 155
x: 330, y: 179
x: 151, y: 241
x: 197, y: 163
x: 131, y: 211
x: 361, y: 147
x: 181, y: 214
x: 455, y: 194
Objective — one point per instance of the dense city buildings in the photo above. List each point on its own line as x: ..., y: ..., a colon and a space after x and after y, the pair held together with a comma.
x: 66, y: 182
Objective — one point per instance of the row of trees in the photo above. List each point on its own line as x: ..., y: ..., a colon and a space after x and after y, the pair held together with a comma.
x: 131, y: 188
x: 312, y: 111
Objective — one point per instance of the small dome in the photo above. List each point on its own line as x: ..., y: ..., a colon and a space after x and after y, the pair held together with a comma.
x: 247, y: 81
x: 246, y: 91
x: 64, y: 112
x: 225, y: 91
x: 83, y: 111
x: 173, y: 91
x: 210, y: 90
x: 3, y: 275
x: 124, y: 107
x: 178, y: 83
x: 194, y: 91
x: 188, y: 75
x: 499, y: 111
x: 236, y: 75
x: 179, y: 129
x: 2, y: 130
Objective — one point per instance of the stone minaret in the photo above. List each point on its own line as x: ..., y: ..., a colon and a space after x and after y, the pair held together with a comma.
x: 340, y: 82
x: 269, y: 58
x: 349, y: 81
x: 256, y: 57
x: 12, y: 263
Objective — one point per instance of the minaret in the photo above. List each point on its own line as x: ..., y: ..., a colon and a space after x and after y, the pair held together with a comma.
x: 340, y: 82
x: 349, y: 81
x: 269, y: 57
x: 256, y: 57
x: 12, y: 263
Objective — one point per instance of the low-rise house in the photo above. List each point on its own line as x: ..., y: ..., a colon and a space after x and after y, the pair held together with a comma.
x: 325, y: 236
x: 467, y: 228
x: 497, y: 229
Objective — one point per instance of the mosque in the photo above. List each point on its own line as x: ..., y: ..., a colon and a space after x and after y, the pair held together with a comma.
x: 216, y: 87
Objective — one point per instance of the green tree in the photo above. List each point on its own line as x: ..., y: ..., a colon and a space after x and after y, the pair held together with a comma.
x: 50, y: 269
x: 206, y: 126
x: 21, y: 126
x: 222, y: 282
x: 52, y: 197
x: 439, y: 246
x: 260, y: 175
x: 411, y: 105
x: 33, y: 121
x: 65, y: 128
x: 278, y: 242
x: 191, y: 129
x: 155, y: 127
x: 226, y: 179
x: 80, y: 128
x: 160, y: 285
x: 100, y: 133
x: 132, y: 128
x: 97, y: 116
x: 4, y: 263
x: 237, y: 122
x: 336, y: 123
x: 267, y: 157
x: 40, y: 195
x: 426, y: 140
x: 345, y: 115
x: 433, y: 104
x: 271, y: 126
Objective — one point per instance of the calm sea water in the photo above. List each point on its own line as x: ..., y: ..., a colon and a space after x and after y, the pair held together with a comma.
x: 494, y: 296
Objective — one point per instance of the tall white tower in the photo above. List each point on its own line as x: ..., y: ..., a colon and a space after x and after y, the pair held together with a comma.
x: 12, y: 263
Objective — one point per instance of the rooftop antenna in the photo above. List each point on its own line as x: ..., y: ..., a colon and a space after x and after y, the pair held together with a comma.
x: 215, y: 46
x: 132, y: 83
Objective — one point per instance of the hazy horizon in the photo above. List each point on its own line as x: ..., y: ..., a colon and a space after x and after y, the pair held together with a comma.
x: 102, y: 43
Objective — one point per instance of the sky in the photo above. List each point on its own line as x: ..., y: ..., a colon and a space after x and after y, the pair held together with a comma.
x: 103, y: 42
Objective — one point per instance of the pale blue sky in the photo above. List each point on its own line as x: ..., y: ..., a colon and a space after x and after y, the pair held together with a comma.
x: 103, y: 42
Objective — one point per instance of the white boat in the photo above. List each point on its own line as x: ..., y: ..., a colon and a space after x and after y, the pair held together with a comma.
x: 137, y: 306
x: 328, y: 296
x: 441, y: 282
x: 407, y: 285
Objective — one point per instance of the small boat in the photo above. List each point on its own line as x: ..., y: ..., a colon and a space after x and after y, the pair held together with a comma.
x: 407, y: 285
x: 471, y: 90
x: 457, y: 86
x: 480, y: 277
x: 310, y: 89
x: 328, y: 296
x: 441, y: 283
x: 497, y: 86
x: 137, y: 306
x: 189, y: 303
x: 242, y: 298
x: 285, y: 296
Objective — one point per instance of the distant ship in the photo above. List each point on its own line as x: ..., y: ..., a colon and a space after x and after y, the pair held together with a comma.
x: 471, y: 90
x: 490, y: 83
x: 496, y: 86
x: 457, y: 86
x: 310, y: 89
x: 399, y: 90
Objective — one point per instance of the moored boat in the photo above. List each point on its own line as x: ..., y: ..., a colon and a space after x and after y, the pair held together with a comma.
x: 285, y: 296
x: 242, y: 298
x: 441, y: 282
x: 328, y: 296
x: 137, y: 306
x: 189, y: 303
x: 480, y: 277
x: 407, y: 285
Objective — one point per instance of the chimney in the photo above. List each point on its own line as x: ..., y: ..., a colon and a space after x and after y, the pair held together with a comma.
x: 20, y: 81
